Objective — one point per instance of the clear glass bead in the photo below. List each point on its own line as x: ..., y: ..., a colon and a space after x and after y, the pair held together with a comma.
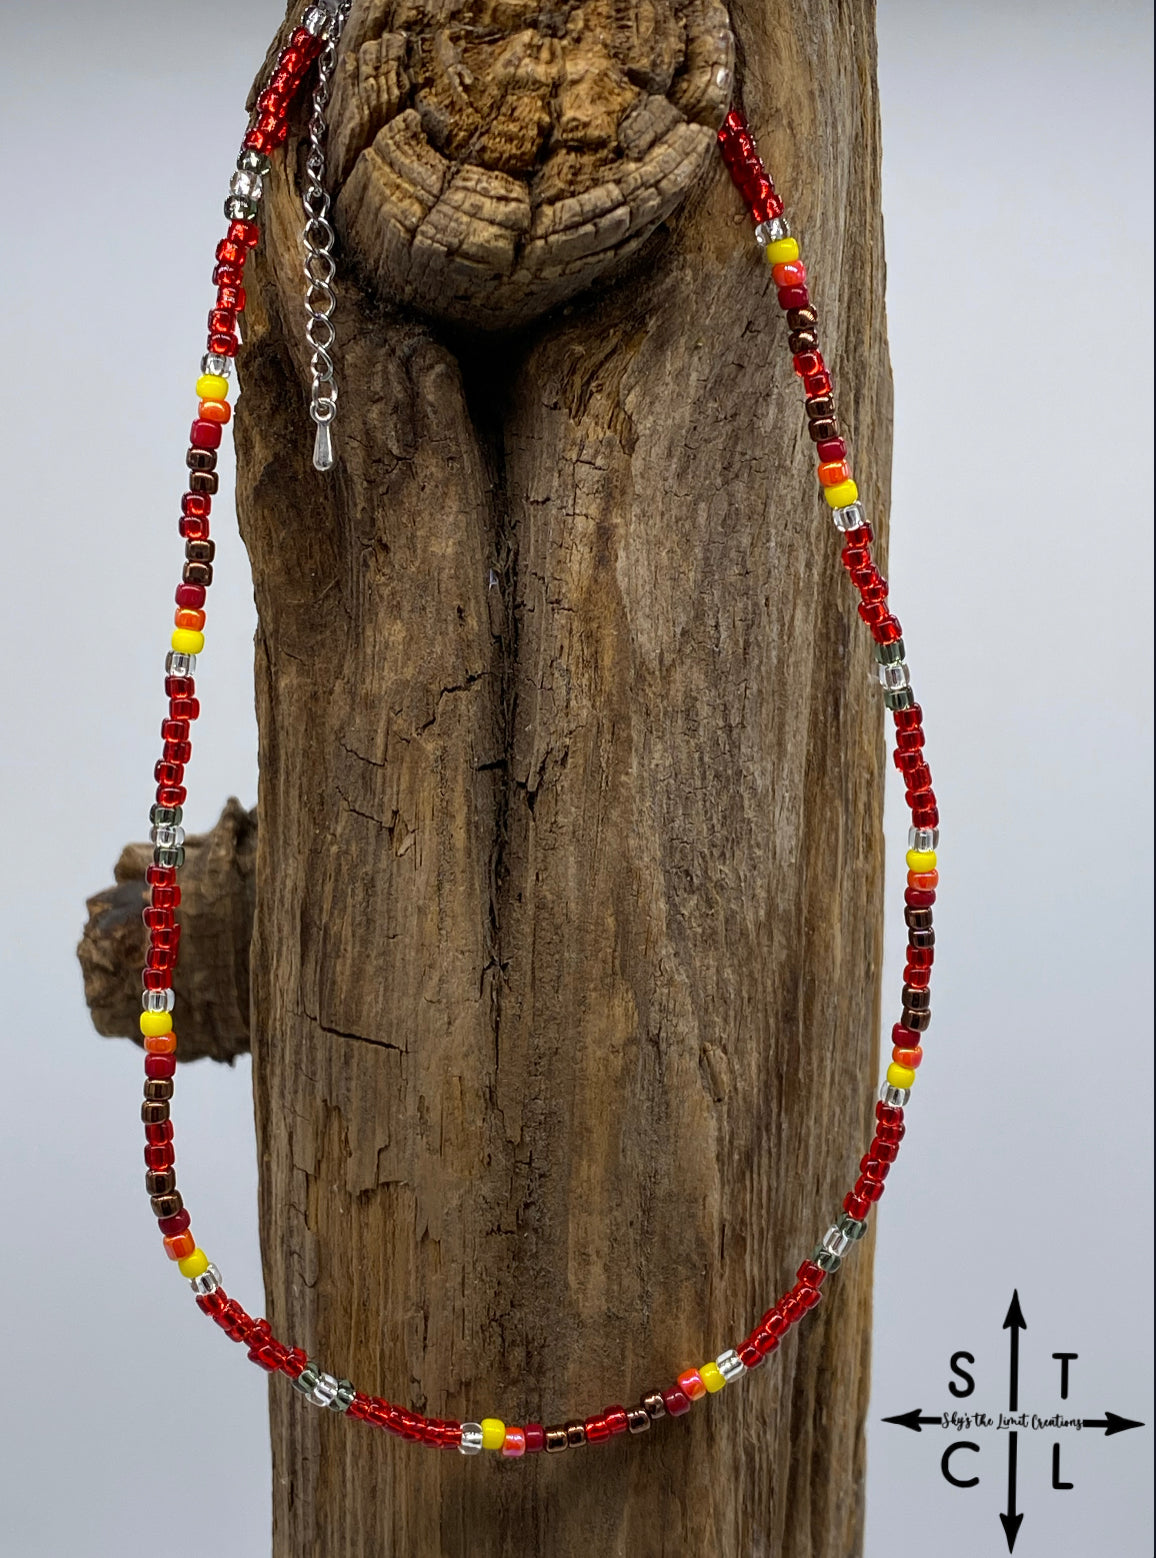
x: 894, y: 1097
x: 157, y: 1001
x: 730, y: 1365
x: 849, y: 517
x: 471, y: 1438
x: 208, y: 1281
x: 315, y: 21
x: 167, y: 837
x: 325, y: 1390
x: 239, y: 209
x: 180, y: 665
x: 250, y: 161
x: 211, y: 362
x: 890, y: 654
x: 893, y: 676
x: 771, y: 232
x: 835, y: 1241
x: 923, y: 838
x: 246, y: 184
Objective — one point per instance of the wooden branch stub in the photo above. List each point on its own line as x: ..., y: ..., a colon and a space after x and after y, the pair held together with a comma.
x: 498, y: 157
x: 218, y: 884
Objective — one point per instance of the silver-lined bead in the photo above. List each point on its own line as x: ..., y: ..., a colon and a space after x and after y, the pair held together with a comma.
x: 165, y: 816
x: 851, y: 1226
x: 246, y: 184
x: 835, y: 1242
x: 343, y: 1400
x: 471, y: 1438
x: 250, y: 161
x: 307, y: 1379
x: 172, y: 859
x: 898, y: 698
x: 208, y: 1281
x: 180, y: 665
x: 893, y: 676
x: 849, y: 517
x: 825, y: 1260
x: 730, y: 1365
x: 894, y: 1097
x: 923, y: 838
x: 157, y: 1001
x: 325, y: 1391
x: 890, y: 654
x: 316, y: 21
x: 772, y: 232
x: 213, y: 362
x: 239, y: 209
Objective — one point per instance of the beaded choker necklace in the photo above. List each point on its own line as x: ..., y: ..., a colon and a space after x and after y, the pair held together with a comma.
x: 312, y: 49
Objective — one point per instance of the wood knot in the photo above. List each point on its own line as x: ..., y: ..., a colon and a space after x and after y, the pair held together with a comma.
x: 494, y: 157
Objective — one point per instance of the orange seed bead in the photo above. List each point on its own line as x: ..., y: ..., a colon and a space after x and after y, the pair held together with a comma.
x: 178, y: 1245
x: 926, y: 881
x: 185, y: 617
x: 214, y: 411
x: 691, y: 1384
x: 160, y: 1043
x: 834, y: 472
x: 910, y: 1058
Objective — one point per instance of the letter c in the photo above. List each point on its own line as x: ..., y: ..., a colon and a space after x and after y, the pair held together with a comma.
x: 945, y: 1464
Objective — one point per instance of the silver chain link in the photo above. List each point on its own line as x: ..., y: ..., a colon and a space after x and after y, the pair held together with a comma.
x: 320, y: 268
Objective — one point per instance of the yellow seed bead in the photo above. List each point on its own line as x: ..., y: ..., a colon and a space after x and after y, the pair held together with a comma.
x: 193, y: 1265
x: 711, y: 1376
x: 782, y: 251
x: 493, y: 1433
x: 211, y: 386
x: 921, y: 860
x: 154, y: 1023
x: 839, y: 497
x: 187, y: 642
x: 900, y: 1076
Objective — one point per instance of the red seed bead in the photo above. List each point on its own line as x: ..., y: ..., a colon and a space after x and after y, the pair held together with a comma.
x: 616, y: 1419
x: 245, y: 233
x: 889, y: 1114
x: 194, y: 529
x: 171, y: 1226
x: 791, y: 1307
x: 856, y: 1205
x: 916, y: 978
x: 175, y: 730
x: 185, y: 708
x: 886, y: 1151
x: 832, y: 449
x: 177, y: 752
x: 869, y: 1189
x: 159, y: 1155
x: 833, y: 472
x: 159, y: 1131
x: 597, y: 1429
x: 157, y: 979
x: 159, y: 1067
x: 231, y: 252
x: 222, y: 321
x: 160, y: 876
x: 810, y: 1275
x: 807, y: 1297
x: 675, y: 1401
x: 196, y: 505
x: 792, y: 273
x: 816, y: 385
x: 179, y: 1245
x: 774, y: 1322
x: 159, y: 919
x: 229, y: 275
x: 911, y: 1058
x: 887, y: 631
x: 764, y: 1341
x: 190, y: 596
x: 750, y: 1354
x: 808, y: 363
x: 873, y: 1168
x: 793, y: 297
x: 205, y: 435
x: 231, y: 298
x: 171, y: 795
x: 166, y: 897
x: 534, y: 1432
x: 223, y: 346
x: 918, y: 898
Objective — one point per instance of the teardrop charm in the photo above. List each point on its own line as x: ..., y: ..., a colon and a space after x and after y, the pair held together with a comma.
x: 323, y: 448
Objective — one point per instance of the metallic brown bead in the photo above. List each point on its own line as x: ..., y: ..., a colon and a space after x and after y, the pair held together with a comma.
x: 916, y: 1021
x: 167, y: 1206
x: 802, y: 318
x: 197, y: 573
x: 917, y: 919
x: 803, y: 341
x: 637, y: 1419
x: 921, y: 938
x: 556, y: 1440
x: 821, y: 406
x: 204, y: 481
x: 154, y: 1114
x: 916, y: 1000
x: 653, y: 1405
x: 575, y: 1434
x: 157, y: 1088
x: 200, y: 551
x: 824, y: 428
x: 160, y: 1182
x: 201, y: 459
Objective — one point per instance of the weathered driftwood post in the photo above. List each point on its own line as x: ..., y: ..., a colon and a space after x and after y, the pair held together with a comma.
x: 565, y: 953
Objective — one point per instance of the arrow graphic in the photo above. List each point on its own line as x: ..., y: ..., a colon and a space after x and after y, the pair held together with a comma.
x: 1011, y: 1521
x: 1015, y: 1322
x: 914, y: 1418
x: 1110, y: 1423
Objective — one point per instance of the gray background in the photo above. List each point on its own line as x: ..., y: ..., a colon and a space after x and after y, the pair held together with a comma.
x: 1017, y: 177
